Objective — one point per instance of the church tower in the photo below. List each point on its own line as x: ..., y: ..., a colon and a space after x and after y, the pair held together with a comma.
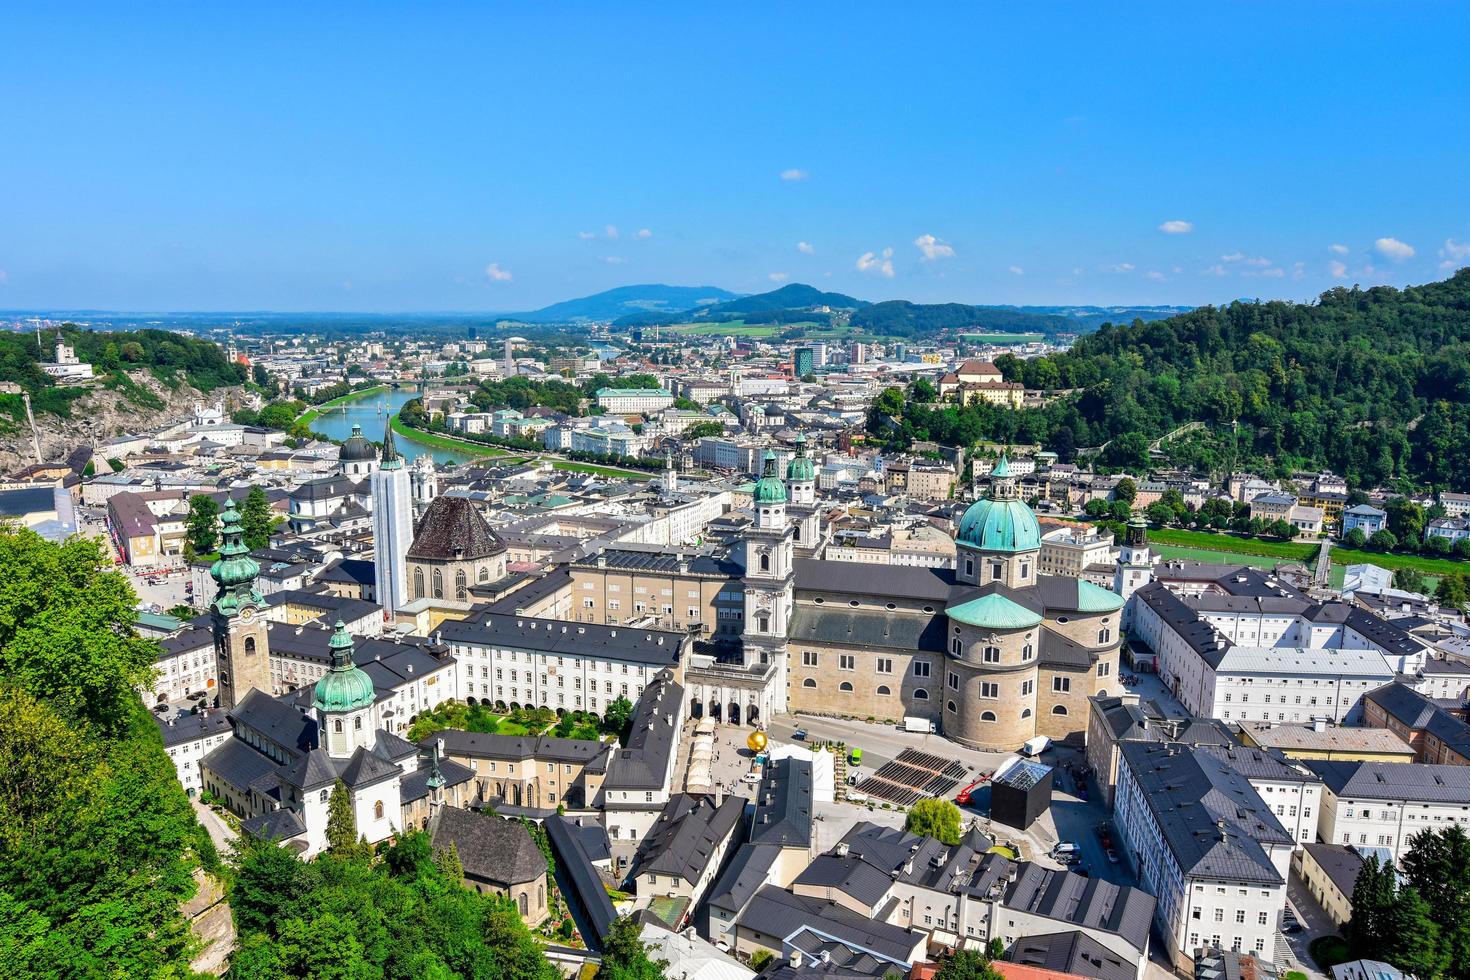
x: 344, y: 700
x: 241, y: 641
x: 671, y: 476
x: 769, y: 576
x: 999, y: 539
x: 425, y: 480
x: 1135, y: 564
x: 801, y: 478
x: 392, y: 527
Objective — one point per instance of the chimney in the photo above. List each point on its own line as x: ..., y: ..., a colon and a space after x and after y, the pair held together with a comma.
x: 1319, y: 724
x: 796, y: 959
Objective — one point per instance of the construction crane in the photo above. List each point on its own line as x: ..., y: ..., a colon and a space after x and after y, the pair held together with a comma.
x: 35, y: 436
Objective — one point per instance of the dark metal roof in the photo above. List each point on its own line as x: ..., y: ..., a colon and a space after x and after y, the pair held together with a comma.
x: 783, y: 805
x: 661, y: 561
x: 688, y: 835
x: 1073, y: 952
x: 747, y: 871
x: 274, y: 825
x: 1340, y: 864
x: 575, y: 867
x: 643, y: 762
x: 778, y: 913
x: 188, y: 728
x: 661, y: 648
x: 1396, y: 781
x: 849, y: 627
x: 1210, y: 816
x: 1090, y: 903
x: 516, y: 747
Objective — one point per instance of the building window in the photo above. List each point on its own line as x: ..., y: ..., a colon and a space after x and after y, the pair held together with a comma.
x: 845, y: 687
x: 921, y: 668
x: 953, y: 680
x: 460, y: 585
x: 1061, y: 684
x: 989, y: 690
x: 1104, y: 635
x: 249, y: 646
x: 885, y: 665
x: 987, y: 716
x: 765, y: 561
x: 846, y: 661
x: 418, y: 583
x: 920, y: 694
x: 991, y: 655
x: 1025, y: 712
x: 883, y: 690
x: 949, y: 706
x: 1059, y: 709
x: 808, y: 658
x: 378, y: 810
x: 1027, y: 687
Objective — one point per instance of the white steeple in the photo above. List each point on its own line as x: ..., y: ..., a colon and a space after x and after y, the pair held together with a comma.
x: 392, y: 527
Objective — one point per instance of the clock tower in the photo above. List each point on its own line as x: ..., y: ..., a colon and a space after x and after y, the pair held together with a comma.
x: 241, y: 643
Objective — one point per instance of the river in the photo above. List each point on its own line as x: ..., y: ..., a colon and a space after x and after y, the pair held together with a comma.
x: 365, y: 412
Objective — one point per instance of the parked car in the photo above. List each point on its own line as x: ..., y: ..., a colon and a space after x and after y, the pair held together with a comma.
x: 800, y: 734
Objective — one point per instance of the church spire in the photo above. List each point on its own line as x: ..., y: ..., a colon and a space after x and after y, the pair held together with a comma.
x: 391, y: 459
x: 234, y: 572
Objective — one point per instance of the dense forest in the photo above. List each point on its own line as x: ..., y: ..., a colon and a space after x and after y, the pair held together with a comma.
x: 1372, y: 383
x: 98, y: 843
x: 900, y: 318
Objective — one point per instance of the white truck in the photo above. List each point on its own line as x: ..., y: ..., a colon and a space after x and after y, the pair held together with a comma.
x: 919, y: 726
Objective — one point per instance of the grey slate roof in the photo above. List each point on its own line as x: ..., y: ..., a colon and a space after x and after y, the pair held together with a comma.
x: 1191, y: 795
x: 780, y: 914
x: 518, y: 747
x: 1340, y: 864
x: 415, y: 785
x: 311, y: 770
x: 1083, y: 902
x: 364, y: 768
x: 575, y: 866
x: 748, y: 871
x: 687, y: 836
x: 1395, y: 781
x: 1071, y: 952
x: 783, y: 805
x: 238, y: 764
x: 188, y: 728
x: 491, y: 849
x: 659, y: 648
x: 274, y: 825
x: 848, y: 627
x: 642, y: 763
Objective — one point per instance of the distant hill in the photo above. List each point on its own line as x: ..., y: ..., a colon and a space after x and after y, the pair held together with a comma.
x: 614, y: 303
x: 1085, y: 319
x: 796, y: 296
x: 900, y: 318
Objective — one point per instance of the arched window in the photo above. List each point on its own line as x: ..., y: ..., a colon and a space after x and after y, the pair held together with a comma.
x: 1027, y: 652
x: 357, y: 723
x: 954, y: 646
x: 883, y: 689
x: 845, y: 687
x: 809, y: 682
x: 1104, y: 635
x: 418, y: 583
x: 249, y: 646
x: 460, y: 581
x: 378, y: 810
x: 765, y: 561
x: 987, y: 716
x: 1059, y: 709
x: 949, y: 706
x: 525, y: 906
x: 920, y: 694
x: 438, y: 584
x: 338, y: 725
x: 1025, y: 712
x: 484, y: 573
x: 540, y: 896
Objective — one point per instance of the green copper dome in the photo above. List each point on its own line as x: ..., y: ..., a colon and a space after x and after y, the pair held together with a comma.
x: 770, y: 489
x: 344, y: 687
x: 993, y: 612
x: 1095, y: 599
x: 1002, y: 521
x: 800, y: 469
x: 234, y: 571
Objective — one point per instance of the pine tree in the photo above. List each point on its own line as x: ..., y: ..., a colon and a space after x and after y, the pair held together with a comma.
x: 201, y: 527
x: 1373, y: 899
x: 1414, y: 937
x: 446, y: 859
x: 341, y: 822
x: 255, y: 520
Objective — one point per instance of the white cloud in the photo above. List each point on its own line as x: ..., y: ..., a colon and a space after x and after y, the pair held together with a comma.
x: 1217, y: 270
x: 1338, y: 269
x: 933, y: 248
x: 880, y: 265
x: 1392, y: 248
x: 495, y: 273
x: 611, y: 231
x: 777, y: 276
x: 1254, y: 261
x: 1272, y: 273
x: 1337, y: 249
x: 1176, y: 227
x: 643, y: 233
x: 1298, y: 270
x: 1120, y: 267
x: 1154, y: 275
x: 793, y: 174
x: 805, y: 248
x: 586, y: 236
x: 1016, y: 270
x: 614, y: 259
x: 1454, y: 254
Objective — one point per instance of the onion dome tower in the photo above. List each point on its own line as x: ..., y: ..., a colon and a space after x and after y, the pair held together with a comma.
x: 344, y: 699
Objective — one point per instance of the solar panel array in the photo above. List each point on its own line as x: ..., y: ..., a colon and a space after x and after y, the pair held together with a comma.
x: 913, y: 776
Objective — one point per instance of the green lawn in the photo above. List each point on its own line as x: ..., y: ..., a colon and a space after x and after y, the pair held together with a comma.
x: 1236, y: 544
x: 436, y: 441
x: 609, y: 471
x: 310, y: 415
x: 1209, y: 555
x: 1391, y: 561
x: 733, y: 328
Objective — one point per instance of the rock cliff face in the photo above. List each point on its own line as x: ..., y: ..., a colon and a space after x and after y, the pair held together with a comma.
x: 100, y: 415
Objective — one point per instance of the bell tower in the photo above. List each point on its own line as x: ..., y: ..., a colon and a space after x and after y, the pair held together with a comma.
x: 241, y: 640
x: 769, y: 580
x: 1135, y: 564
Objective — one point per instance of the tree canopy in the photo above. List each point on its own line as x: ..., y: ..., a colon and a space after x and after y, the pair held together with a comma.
x: 939, y: 819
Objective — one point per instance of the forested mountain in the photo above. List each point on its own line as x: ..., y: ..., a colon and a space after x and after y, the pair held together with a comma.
x: 613, y: 303
x: 1373, y: 383
x: 900, y: 318
x: 796, y: 296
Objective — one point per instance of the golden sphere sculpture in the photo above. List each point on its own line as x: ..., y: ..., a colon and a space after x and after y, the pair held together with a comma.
x: 756, y: 742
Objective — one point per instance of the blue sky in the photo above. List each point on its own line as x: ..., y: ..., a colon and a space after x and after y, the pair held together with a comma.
x: 479, y: 157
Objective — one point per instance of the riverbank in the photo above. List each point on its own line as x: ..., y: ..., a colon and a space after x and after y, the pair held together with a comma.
x: 435, y: 440
x: 316, y: 411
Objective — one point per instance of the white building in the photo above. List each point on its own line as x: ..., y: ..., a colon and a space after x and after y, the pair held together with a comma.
x: 67, y: 367
x: 633, y: 401
x: 1384, y: 804
x: 1206, y: 846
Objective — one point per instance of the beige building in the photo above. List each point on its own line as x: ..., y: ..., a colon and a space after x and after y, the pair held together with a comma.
x: 1071, y: 550
x: 931, y: 480
x: 453, y: 549
x: 1330, y: 871
x: 529, y: 771
x: 995, y: 652
x: 498, y: 857
x: 656, y: 587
